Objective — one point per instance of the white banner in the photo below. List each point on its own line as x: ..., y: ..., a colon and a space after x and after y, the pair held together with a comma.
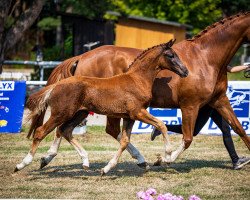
x: 239, y: 95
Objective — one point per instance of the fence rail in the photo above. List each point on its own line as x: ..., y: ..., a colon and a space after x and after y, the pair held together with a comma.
x: 42, y: 65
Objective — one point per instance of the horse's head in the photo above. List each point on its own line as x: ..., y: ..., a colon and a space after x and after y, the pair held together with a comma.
x: 170, y: 60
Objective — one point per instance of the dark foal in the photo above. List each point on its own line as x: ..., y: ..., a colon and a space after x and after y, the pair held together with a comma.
x: 124, y: 96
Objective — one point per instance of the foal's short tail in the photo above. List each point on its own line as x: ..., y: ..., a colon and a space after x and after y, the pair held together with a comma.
x: 64, y: 70
x: 37, y: 103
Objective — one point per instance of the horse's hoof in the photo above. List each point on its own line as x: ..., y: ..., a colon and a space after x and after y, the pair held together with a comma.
x: 102, y: 172
x: 157, y: 163
x: 159, y: 160
x: 144, y: 166
x: 85, y: 168
x: 43, y: 163
x: 16, y: 170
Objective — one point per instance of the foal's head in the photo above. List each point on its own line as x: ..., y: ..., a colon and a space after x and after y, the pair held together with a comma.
x: 170, y: 60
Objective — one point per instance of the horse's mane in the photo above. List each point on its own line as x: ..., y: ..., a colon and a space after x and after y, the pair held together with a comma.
x: 140, y: 56
x: 221, y: 22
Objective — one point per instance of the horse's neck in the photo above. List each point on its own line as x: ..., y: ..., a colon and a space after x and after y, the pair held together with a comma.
x: 144, y: 69
x: 218, y: 45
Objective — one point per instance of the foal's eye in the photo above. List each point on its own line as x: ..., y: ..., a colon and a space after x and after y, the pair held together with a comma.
x: 170, y: 55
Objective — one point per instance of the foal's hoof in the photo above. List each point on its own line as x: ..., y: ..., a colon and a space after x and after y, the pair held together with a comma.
x: 102, y: 172
x: 16, y: 170
x: 144, y: 166
x: 43, y: 163
x: 85, y: 168
x: 159, y: 161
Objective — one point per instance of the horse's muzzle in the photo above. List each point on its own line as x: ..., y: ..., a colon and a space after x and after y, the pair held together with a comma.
x: 184, y: 73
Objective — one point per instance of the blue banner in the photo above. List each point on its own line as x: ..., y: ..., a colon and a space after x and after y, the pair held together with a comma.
x: 12, y: 99
x: 239, y: 95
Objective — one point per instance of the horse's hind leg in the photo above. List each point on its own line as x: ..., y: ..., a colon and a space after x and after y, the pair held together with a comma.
x: 113, y: 129
x: 222, y: 105
x: 52, y: 152
x: 124, y: 141
x: 66, y: 131
x: 39, y: 135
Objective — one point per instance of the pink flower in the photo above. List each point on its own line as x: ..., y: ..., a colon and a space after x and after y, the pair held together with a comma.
x: 141, y: 195
x: 169, y: 196
x: 194, y: 197
x: 148, y: 197
x: 160, y: 197
x: 151, y: 191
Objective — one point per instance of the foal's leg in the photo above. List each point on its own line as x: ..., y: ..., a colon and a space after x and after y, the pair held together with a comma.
x: 124, y: 141
x: 52, y: 152
x: 222, y: 105
x: 66, y: 131
x: 39, y: 135
x: 145, y: 117
x: 113, y: 129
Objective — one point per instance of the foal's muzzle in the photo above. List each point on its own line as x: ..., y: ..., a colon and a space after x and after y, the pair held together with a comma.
x: 182, y: 72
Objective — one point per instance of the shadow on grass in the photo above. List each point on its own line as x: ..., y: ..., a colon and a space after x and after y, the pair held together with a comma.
x: 191, y: 164
x: 127, y: 169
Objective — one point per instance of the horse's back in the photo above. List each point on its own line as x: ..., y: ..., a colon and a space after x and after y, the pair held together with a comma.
x: 106, y: 61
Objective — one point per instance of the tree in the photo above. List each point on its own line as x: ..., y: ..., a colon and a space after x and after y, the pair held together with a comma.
x: 231, y: 7
x: 13, y: 27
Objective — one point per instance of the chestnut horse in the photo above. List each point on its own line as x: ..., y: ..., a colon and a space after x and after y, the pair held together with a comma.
x: 206, y: 56
x: 126, y: 95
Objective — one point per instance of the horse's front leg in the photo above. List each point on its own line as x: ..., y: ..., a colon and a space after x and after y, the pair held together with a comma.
x: 124, y: 141
x: 189, y: 116
x: 145, y: 117
x: 222, y: 105
x: 113, y: 129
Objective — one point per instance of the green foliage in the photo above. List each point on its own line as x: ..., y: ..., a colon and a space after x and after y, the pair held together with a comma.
x: 231, y: 7
x: 49, y: 23
x: 68, y: 46
x: 90, y: 9
x: 198, y: 13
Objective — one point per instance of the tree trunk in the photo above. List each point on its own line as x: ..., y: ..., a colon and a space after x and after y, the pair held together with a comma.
x: 4, y: 10
x: 8, y: 38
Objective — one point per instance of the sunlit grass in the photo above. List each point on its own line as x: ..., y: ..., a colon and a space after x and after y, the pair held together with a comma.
x: 204, y: 169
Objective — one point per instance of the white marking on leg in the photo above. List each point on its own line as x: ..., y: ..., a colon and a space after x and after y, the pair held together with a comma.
x: 26, y: 161
x: 81, y: 152
x: 112, y: 163
x: 178, y: 151
x: 133, y: 151
x: 52, y: 152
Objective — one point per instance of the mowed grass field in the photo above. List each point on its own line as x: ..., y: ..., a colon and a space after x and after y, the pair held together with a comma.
x: 204, y: 169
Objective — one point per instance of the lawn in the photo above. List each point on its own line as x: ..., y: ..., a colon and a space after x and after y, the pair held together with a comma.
x: 204, y: 169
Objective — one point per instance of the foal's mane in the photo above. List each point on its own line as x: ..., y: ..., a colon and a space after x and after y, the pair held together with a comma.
x: 216, y: 24
x: 141, y: 55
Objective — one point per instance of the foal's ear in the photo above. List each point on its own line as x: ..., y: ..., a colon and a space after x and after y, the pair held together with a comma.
x: 171, y: 42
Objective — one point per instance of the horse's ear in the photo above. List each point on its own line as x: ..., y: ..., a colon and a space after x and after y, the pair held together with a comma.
x: 171, y: 42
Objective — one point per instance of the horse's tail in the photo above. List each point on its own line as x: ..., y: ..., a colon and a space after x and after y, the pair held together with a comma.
x: 37, y: 103
x: 62, y: 71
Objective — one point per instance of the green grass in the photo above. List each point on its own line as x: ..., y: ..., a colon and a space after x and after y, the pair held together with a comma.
x: 204, y: 169
x: 237, y: 77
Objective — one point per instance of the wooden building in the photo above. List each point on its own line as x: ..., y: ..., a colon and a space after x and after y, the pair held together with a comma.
x: 144, y: 32
x: 86, y: 31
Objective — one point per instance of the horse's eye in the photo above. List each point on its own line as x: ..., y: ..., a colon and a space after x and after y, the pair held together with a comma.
x: 170, y: 55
